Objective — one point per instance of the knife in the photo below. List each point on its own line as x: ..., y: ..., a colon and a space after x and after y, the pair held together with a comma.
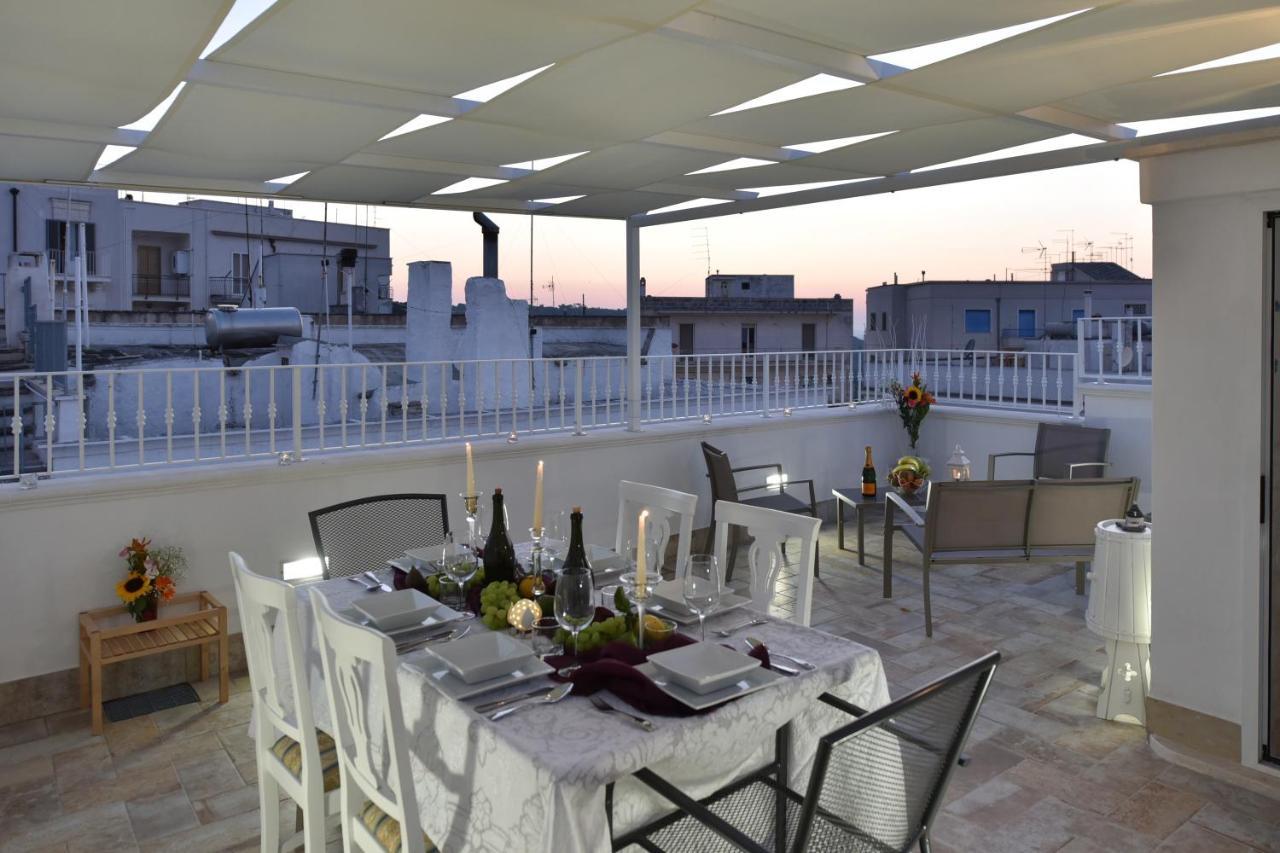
x: 495, y: 704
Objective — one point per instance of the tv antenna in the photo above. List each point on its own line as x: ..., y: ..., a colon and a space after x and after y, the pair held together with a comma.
x: 1041, y: 251
x: 552, y: 288
x: 702, y: 245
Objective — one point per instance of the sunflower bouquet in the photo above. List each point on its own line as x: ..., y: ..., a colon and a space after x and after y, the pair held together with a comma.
x: 913, y: 402
x: 152, y: 578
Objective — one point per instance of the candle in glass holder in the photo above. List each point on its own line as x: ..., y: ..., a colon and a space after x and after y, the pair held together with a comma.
x: 471, y: 472
x: 537, y: 500
x: 641, y: 561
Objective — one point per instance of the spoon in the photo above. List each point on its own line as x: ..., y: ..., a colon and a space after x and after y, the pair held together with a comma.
x: 414, y: 645
x: 754, y: 642
x: 377, y: 583
x: 729, y: 632
x: 554, y: 695
x: 367, y: 587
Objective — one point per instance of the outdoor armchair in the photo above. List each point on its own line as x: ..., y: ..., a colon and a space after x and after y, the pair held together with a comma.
x: 1063, y: 451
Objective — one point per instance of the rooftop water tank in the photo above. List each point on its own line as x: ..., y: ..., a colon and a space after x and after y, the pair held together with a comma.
x: 229, y: 326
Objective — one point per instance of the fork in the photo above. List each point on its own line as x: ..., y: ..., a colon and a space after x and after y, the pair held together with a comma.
x: 729, y: 632
x: 378, y: 584
x: 602, y: 705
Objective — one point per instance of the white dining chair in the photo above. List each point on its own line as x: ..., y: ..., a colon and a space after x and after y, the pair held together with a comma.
x: 666, y: 506
x: 771, y: 530
x: 292, y: 754
x: 379, y: 808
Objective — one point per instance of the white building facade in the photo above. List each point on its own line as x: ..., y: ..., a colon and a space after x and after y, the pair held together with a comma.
x: 990, y: 315
x: 144, y: 256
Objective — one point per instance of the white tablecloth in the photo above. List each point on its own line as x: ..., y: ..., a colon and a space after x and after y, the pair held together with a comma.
x: 535, y: 781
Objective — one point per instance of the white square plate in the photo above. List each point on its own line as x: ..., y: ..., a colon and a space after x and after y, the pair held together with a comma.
x: 704, y: 667
x: 483, y: 656
x: 438, y: 616
x: 457, y: 689
x: 428, y: 558
x: 756, y: 679
x: 668, y: 597
x: 393, y: 610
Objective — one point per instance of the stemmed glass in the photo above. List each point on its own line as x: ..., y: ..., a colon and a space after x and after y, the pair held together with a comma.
x: 575, y: 602
x: 460, y: 568
x: 702, y: 588
x: 556, y: 541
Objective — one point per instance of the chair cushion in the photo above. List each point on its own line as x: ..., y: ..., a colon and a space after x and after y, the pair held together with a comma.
x: 387, y: 829
x: 781, y: 501
x: 289, y: 751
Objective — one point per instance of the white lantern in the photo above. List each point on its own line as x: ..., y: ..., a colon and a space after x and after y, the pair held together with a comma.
x: 958, y: 465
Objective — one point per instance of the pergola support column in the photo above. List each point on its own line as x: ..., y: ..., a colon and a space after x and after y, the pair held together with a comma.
x: 633, y: 326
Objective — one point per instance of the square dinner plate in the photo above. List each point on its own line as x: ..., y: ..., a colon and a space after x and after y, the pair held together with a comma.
x: 668, y: 596
x: 704, y: 667
x: 483, y: 656
x: 756, y: 679
x: 394, y: 610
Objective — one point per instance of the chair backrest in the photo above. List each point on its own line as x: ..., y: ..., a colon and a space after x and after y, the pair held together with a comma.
x: 771, y: 529
x: 977, y: 515
x: 1061, y: 445
x: 664, y: 506
x: 269, y: 608
x: 882, y: 777
x: 364, y: 704
x: 359, y: 535
x: 1065, y: 512
x: 720, y: 472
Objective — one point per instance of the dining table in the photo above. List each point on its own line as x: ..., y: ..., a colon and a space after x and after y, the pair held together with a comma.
x: 558, y: 777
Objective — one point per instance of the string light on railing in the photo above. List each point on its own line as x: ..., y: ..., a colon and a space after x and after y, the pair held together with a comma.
x: 786, y: 413
x: 706, y: 419
x: 512, y: 438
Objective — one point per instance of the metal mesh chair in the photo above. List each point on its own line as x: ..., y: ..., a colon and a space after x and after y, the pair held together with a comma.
x: 363, y: 534
x: 876, y: 784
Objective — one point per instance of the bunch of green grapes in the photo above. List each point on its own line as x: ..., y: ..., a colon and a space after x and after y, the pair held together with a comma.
x: 595, y: 635
x: 494, y: 601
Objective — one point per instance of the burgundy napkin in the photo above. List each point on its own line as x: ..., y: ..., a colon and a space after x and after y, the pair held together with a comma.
x: 613, y: 668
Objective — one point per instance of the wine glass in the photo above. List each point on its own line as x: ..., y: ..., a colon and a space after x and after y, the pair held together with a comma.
x: 556, y: 541
x: 460, y: 568
x: 702, y: 588
x: 575, y: 602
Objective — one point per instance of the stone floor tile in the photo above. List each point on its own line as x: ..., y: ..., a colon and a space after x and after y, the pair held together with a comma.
x: 225, y: 834
x: 227, y: 804
x: 98, y: 829
x: 69, y: 721
x: 209, y: 775
x: 141, y: 783
x: 1239, y: 827
x: 51, y: 745
x: 1224, y: 794
x: 1157, y: 810
x: 127, y: 736
x: 86, y: 765
x: 1191, y: 837
x: 156, y: 817
x: 1051, y: 780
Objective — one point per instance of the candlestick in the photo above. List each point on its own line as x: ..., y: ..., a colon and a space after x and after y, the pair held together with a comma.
x: 471, y: 472
x: 537, y: 500
x: 642, y: 566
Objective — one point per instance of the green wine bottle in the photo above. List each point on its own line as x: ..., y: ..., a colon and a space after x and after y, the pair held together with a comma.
x: 500, y: 562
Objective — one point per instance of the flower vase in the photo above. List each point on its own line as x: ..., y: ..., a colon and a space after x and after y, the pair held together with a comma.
x: 148, y: 613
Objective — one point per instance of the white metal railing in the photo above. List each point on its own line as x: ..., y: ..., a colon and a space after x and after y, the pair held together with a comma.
x: 1029, y: 381
x: 111, y: 419
x: 1114, y: 349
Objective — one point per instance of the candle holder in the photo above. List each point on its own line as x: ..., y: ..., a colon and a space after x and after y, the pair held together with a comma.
x: 471, y: 507
x: 639, y: 595
x: 535, y: 561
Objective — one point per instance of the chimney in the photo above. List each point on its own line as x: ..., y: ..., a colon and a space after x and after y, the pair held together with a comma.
x: 895, y: 278
x: 489, y: 230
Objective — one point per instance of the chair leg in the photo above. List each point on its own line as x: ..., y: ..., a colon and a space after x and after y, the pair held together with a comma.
x: 313, y: 826
x: 925, y: 847
x: 1080, y: 572
x: 928, y: 608
x: 269, y: 810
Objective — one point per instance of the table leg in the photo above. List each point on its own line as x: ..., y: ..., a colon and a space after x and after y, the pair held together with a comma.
x: 205, y: 649
x: 862, y: 539
x: 95, y: 683
x: 84, y: 673
x: 840, y: 524
x: 224, y: 658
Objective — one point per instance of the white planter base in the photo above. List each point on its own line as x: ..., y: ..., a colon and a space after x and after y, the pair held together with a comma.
x: 1125, y: 683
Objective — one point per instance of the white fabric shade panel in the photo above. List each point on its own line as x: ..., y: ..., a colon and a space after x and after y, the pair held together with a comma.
x: 315, y: 86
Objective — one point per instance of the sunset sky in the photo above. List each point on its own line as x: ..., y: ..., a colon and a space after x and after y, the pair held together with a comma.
x: 968, y: 230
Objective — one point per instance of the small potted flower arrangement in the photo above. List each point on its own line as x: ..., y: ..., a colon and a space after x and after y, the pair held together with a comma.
x: 913, y: 403
x: 152, y: 578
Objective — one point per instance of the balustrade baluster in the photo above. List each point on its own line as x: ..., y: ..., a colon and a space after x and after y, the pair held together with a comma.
x: 271, y: 410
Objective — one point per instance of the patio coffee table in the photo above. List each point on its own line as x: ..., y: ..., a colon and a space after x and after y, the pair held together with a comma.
x: 852, y: 497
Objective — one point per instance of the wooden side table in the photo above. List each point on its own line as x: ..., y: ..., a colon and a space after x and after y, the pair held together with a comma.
x: 102, y: 642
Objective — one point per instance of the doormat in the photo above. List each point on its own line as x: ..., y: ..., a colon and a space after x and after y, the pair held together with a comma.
x: 141, y: 704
